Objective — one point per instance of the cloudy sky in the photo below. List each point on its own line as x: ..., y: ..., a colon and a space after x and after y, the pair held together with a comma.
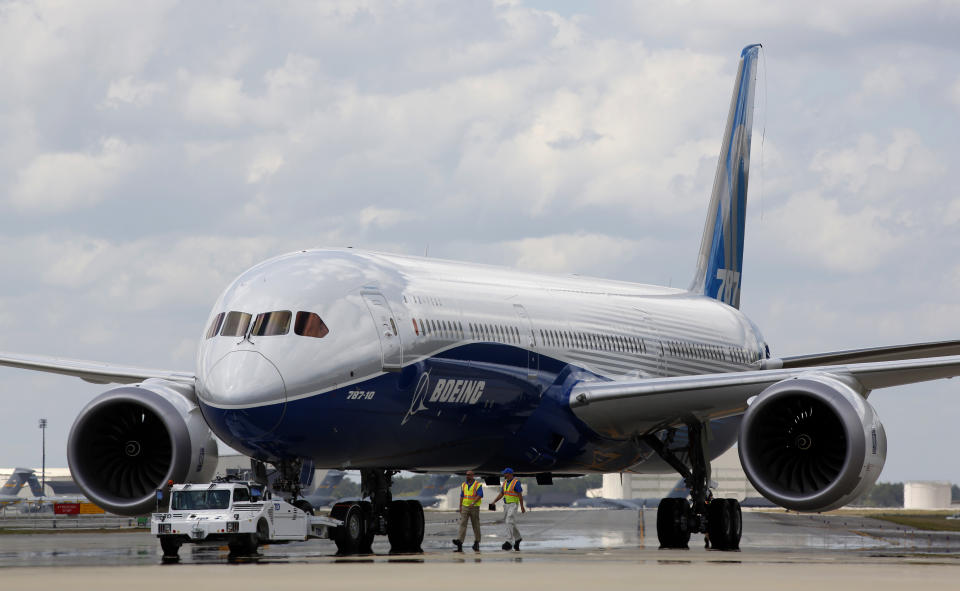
x: 151, y: 151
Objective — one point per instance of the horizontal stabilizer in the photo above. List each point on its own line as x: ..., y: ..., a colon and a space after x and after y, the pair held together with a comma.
x: 894, y: 353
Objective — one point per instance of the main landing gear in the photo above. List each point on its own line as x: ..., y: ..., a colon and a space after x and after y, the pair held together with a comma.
x: 719, y: 519
x: 401, y: 521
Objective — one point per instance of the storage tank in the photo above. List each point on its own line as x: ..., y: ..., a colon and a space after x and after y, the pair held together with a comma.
x: 926, y: 494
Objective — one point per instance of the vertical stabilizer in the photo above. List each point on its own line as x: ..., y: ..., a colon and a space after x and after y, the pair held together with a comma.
x: 12, y: 486
x: 721, y: 248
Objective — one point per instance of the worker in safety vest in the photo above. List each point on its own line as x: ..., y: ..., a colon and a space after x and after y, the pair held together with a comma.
x: 471, y: 495
x: 512, y: 494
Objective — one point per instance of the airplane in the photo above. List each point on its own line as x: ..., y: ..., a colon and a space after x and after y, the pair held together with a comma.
x: 63, y: 491
x: 433, y: 490
x: 322, y: 494
x: 377, y: 362
x: 10, y: 493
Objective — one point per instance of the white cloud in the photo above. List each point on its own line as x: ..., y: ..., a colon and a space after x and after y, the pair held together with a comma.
x: 906, y: 156
x: 263, y: 166
x: 884, y: 81
x: 126, y: 90
x: 815, y: 232
x: 379, y: 217
x: 568, y: 253
x: 954, y: 93
x: 64, y: 181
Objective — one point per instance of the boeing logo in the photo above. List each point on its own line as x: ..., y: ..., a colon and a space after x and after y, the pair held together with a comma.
x: 445, y: 392
x: 458, y: 391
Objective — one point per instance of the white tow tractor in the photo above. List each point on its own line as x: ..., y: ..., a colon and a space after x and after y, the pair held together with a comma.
x: 241, y: 514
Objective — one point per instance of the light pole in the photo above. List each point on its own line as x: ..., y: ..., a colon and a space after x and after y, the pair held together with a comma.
x: 43, y: 466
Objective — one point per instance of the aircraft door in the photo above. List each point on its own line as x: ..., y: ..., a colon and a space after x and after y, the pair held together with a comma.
x: 391, y: 349
x: 653, y: 343
x: 529, y: 341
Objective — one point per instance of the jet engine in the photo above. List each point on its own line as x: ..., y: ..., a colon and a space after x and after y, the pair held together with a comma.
x: 811, y: 443
x: 127, y: 442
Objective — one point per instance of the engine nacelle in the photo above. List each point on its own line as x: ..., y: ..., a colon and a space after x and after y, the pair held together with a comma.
x: 811, y: 443
x: 127, y: 442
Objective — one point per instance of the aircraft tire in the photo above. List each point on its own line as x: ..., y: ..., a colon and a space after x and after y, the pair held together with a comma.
x: 725, y: 524
x: 416, y: 526
x: 369, y: 528
x: 349, y: 535
x: 673, y: 523
x: 399, y: 527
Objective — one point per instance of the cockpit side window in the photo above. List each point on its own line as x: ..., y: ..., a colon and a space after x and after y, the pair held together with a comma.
x: 235, y: 324
x: 215, y: 326
x: 271, y: 324
x: 309, y: 324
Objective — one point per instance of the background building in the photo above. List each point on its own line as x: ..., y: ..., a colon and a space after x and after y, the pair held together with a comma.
x: 726, y: 472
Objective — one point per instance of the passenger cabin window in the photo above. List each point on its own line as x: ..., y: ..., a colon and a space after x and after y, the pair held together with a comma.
x: 309, y: 324
x: 235, y: 324
x: 271, y: 324
x: 215, y: 326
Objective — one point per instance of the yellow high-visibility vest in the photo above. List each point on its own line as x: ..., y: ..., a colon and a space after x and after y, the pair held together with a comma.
x: 510, y: 495
x: 470, y: 494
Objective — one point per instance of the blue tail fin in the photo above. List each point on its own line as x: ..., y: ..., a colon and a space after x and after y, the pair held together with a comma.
x: 35, y: 487
x: 721, y: 248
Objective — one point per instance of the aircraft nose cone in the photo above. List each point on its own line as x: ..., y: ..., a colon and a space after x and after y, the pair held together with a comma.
x: 243, y: 379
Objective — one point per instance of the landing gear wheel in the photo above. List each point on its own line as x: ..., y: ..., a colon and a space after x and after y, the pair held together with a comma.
x: 170, y: 546
x: 725, y: 524
x: 369, y: 528
x: 399, y: 527
x: 304, y: 506
x: 673, y: 523
x: 349, y: 535
x: 416, y: 526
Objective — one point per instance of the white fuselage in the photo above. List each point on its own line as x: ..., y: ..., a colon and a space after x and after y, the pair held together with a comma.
x: 513, y: 336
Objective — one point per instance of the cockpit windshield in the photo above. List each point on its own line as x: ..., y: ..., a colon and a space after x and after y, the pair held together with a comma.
x: 235, y: 324
x: 215, y: 326
x: 199, y: 500
x: 272, y: 324
x: 310, y: 325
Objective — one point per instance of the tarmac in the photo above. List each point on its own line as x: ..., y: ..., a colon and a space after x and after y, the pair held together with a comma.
x: 562, y: 549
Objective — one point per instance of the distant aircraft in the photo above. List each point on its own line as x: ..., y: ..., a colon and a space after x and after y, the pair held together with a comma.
x: 64, y: 490
x: 11, y: 488
x: 322, y: 493
x: 379, y: 363
x: 432, y: 491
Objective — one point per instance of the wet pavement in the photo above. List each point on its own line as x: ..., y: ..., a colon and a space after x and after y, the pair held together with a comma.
x: 549, y: 536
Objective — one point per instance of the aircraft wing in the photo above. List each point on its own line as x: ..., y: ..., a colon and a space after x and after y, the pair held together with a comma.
x: 619, y: 409
x: 93, y: 371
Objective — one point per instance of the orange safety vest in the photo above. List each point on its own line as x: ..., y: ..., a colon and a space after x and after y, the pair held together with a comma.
x: 469, y: 494
x: 509, y: 491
